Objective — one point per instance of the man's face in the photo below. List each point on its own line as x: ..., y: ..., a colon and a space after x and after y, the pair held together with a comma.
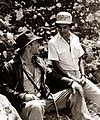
x: 63, y: 30
x: 34, y: 47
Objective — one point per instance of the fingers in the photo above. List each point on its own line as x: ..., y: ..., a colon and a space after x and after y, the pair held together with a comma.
x: 73, y: 88
x: 81, y: 92
x: 29, y: 97
x: 49, y: 70
x: 74, y: 91
x: 83, y: 83
x: 76, y: 86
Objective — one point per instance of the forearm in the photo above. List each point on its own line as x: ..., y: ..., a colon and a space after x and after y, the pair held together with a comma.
x: 11, y: 94
x: 59, y: 69
x: 67, y: 80
x: 59, y: 78
x: 64, y: 72
x: 81, y: 64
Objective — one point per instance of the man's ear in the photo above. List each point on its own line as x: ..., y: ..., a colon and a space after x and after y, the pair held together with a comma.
x: 28, y: 47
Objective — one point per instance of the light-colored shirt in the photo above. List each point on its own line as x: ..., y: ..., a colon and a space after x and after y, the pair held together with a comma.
x: 36, y: 77
x: 67, y: 55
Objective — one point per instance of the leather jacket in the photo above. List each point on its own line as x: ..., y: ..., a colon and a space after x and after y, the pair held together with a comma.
x: 12, y: 80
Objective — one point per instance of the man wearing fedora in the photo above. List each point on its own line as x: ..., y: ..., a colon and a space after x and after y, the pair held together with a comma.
x: 23, y: 80
x: 65, y: 52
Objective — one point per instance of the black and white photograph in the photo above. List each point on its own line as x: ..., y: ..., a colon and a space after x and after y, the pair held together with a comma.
x: 49, y: 59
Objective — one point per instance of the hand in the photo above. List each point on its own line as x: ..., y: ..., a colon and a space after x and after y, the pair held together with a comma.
x: 77, y: 86
x: 83, y: 81
x: 77, y: 80
x: 49, y: 70
x: 29, y: 97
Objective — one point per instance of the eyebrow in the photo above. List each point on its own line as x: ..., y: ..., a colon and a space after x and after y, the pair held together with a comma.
x: 59, y: 26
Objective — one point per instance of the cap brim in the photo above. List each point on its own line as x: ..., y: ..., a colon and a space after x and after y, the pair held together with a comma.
x: 62, y: 22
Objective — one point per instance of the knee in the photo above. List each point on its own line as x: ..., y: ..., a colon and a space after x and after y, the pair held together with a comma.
x: 75, y: 98
x: 37, y: 106
x: 33, y: 110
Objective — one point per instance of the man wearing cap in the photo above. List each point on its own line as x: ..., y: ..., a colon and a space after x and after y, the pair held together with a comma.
x: 24, y: 78
x: 65, y: 52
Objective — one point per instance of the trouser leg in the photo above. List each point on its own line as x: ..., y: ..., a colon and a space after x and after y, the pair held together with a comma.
x: 33, y: 110
x: 92, y: 92
x: 79, y: 108
x: 65, y: 99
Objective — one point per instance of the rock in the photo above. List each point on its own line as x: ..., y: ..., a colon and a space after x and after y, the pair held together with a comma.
x: 7, y: 111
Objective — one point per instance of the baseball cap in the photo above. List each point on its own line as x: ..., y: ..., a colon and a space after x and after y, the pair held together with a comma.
x: 64, y: 18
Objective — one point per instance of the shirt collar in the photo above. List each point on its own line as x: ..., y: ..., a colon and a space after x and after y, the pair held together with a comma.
x: 61, y: 38
x: 23, y: 62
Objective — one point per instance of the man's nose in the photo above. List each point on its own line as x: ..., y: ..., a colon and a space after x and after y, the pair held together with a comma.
x: 62, y: 29
x: 40, y: 48
x: 43, y: 49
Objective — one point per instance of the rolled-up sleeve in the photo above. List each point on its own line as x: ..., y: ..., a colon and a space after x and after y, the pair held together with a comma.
x: 52, y: 52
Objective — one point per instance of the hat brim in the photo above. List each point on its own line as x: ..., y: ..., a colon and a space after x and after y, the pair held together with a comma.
x: 36, y: 38
x: 63, y: 22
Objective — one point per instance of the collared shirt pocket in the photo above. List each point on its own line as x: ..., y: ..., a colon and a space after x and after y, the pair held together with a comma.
x: 64, y: 54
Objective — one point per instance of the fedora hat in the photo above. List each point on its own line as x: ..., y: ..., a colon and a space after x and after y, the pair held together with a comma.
x: 25, y: 39
x: 64, y: 18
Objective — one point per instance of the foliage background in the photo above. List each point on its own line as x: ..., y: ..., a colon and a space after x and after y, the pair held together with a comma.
x: 37, y: 14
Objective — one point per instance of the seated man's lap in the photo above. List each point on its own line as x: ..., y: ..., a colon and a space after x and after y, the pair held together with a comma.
x: 60, y: 98
x: 34, y: 107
